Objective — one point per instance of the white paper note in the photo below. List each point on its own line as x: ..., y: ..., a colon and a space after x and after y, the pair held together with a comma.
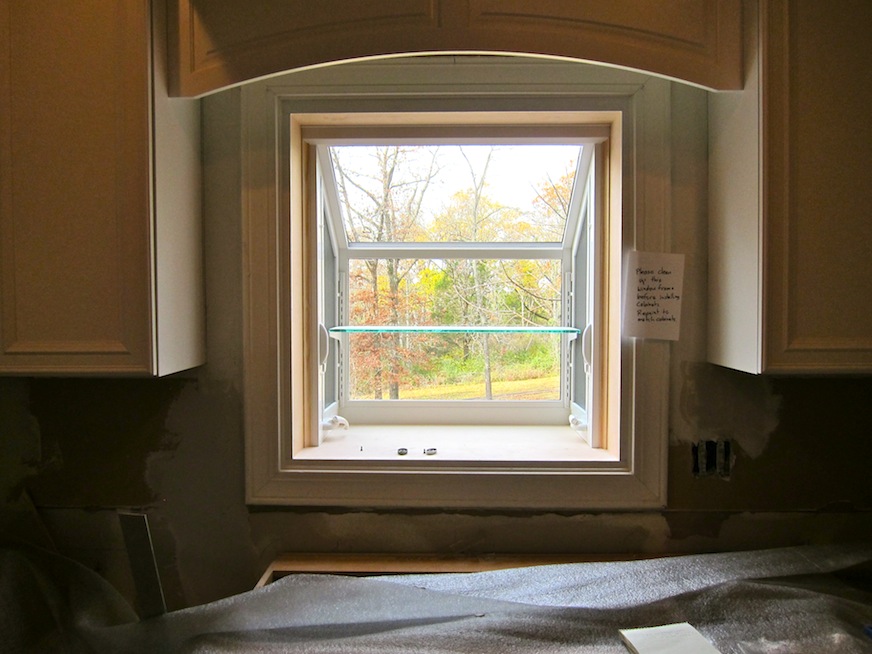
x: 679, y: 638
x: 652, y: 292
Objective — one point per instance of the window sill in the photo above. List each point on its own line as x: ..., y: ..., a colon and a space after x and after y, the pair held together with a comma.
x: 518, y: 443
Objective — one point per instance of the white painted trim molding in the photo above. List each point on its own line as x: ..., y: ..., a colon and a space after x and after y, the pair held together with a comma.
x: 636, y: 479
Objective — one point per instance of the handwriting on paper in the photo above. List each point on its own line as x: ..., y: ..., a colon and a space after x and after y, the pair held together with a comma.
x: 652, y: 292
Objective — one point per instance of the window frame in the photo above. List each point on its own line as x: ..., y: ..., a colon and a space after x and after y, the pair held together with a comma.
x: 636, y: 480
x: 358, y: 128
x: 600, y: 129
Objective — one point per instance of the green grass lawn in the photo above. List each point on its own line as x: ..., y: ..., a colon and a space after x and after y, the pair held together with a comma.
x: 541, y: 388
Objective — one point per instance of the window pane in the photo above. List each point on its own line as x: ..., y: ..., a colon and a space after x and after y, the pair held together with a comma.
x: 455, y: 292
x: 457, y: 365
x: 454, y: 193
x: 454, y: 366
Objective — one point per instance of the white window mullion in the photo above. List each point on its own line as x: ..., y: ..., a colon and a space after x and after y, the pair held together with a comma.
x: 331, y: 198
x: 343, y: 364
x: 578, y: 199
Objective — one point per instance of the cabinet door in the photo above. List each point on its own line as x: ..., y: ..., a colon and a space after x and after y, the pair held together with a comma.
x: 790, y: 233
x: 75, y: 233
x: 816, y: 185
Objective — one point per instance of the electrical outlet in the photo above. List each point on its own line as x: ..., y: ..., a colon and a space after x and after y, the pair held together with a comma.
x: 713, y: 458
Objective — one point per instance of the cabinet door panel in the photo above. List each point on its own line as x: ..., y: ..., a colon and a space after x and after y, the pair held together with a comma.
x: 75, y: 246
x: 819, y: 230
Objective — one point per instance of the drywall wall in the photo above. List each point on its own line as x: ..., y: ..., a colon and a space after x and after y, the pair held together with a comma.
x: 174, y: 447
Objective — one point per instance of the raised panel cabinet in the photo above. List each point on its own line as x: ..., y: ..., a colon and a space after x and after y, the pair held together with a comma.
x: 100, y: 220
x: 790, y: 235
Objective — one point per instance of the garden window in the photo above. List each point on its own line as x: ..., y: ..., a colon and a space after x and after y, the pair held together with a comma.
x: 458, y: 279
x: 424, y: 328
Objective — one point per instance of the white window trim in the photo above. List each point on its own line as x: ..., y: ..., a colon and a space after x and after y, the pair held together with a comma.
x: 638, y: 480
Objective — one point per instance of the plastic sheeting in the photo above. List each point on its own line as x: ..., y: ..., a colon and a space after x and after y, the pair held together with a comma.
x: 808, y: 599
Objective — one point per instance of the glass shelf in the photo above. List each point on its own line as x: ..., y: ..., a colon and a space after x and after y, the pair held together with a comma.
x: 451, y: 329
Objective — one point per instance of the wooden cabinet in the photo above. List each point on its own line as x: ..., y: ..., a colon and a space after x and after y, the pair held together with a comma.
x: 790, y: 257
x: 218, y: 43
x: 100, y: 221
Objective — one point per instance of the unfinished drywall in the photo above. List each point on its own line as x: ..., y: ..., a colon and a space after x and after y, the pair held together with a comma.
x: 21, y: 447
x: 104, y: 432
x: 717, y: 403
x: 23, y: 455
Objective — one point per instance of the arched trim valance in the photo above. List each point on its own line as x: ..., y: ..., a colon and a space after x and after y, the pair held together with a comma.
x: 221, y: 43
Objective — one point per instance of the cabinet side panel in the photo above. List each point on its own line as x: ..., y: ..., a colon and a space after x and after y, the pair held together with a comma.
x: 75, y: 240
x: 734, y: 272
x: 180, y: 302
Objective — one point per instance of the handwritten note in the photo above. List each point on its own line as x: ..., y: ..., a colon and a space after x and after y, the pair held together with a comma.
x: 653, y: 290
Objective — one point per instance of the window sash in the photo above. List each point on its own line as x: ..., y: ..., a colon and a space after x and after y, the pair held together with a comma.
x: 551, y: 412
x: 603, y: 411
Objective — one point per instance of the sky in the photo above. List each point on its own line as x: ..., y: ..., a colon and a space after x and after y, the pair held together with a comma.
x: 513, y: 174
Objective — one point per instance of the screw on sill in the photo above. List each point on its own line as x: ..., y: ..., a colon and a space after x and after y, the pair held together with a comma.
x: 402, y: 451
x: 430, y: 451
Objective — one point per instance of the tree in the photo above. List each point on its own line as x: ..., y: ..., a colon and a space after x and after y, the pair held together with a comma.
x: 551, y: 206
x: 382, y: 202
x: 477, y: 222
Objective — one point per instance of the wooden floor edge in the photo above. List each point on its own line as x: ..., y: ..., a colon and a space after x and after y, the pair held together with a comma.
x: 380, y: 563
